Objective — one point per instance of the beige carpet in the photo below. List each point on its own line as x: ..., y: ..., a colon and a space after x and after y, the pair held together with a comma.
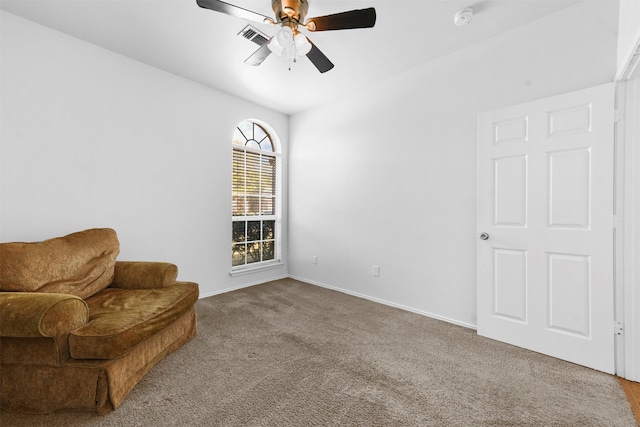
x: 287, y: 353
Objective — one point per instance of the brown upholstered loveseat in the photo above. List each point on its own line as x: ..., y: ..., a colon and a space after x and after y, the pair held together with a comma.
x: 79, y: 329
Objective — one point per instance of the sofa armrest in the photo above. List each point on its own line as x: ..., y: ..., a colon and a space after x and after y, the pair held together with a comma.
x: 40, y: 314
x: 143, y: 275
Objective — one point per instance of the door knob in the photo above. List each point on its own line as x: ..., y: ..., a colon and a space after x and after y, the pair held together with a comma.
x: 484, y: 236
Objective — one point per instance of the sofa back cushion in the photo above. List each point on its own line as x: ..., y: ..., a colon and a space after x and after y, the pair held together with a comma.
x: 78, y: 264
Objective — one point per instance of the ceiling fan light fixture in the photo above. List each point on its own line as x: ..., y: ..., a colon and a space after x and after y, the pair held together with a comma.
x: 282, y: 41
x: 303, y: 46
x: 285, y: 36
x: 275, y: 47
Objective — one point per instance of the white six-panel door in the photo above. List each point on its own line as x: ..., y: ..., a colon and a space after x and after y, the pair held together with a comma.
x: 545, y: 204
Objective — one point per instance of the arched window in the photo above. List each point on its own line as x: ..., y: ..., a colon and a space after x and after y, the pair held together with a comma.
x: 256, y: 198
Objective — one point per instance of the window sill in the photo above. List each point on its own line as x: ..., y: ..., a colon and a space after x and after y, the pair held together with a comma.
x: 255, y: 269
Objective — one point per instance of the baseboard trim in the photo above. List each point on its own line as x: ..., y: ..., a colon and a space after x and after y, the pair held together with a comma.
x: 344, y: 291
x: 245, y: 285
x: 385, y: 302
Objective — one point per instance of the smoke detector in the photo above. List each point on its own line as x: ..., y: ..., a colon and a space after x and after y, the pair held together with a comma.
x: 463, y: 17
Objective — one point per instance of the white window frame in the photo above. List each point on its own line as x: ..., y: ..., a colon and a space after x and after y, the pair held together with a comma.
x: 276, y: 217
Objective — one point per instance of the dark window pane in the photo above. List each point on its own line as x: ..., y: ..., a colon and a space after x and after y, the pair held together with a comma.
x: 268, y: 252
x: 268, y: 230
x: 253, y: 252
x: 253, y: 231
x: 238, y: 254
x: 238, y: 231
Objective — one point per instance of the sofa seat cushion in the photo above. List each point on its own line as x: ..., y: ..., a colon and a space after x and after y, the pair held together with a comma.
x: 119, y: 319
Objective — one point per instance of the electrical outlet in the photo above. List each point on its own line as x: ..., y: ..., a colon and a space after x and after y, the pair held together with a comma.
x: 315, y: 259
x: 376, y: 271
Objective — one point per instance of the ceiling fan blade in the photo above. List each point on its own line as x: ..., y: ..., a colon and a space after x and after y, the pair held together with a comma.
x: 360, y: 18
x: 259, y: 55
x: 318, y: 59
x: 238, y: 12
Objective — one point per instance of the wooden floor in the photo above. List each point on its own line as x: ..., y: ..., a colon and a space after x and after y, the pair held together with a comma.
x: 632, y: 389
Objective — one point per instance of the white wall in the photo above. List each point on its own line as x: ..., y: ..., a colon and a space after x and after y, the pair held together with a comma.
x: 93, y: 139
x: 386, y: 176
x: 628, y: 31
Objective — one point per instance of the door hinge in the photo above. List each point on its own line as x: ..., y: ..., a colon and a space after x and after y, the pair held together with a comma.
x: 618, y: 328
x: 618, y: 115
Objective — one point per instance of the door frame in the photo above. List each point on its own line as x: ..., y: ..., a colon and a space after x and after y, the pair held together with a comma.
x: 627, y: 258
x: 627, y: 208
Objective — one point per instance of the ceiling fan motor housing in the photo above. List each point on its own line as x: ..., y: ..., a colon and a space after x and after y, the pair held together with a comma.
x: 290, y: 10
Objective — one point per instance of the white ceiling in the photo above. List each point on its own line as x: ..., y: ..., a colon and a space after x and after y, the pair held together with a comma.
x: 201, y: 45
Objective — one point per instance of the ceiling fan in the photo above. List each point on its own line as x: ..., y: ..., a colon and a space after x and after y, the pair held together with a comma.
x: 290, y: 15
